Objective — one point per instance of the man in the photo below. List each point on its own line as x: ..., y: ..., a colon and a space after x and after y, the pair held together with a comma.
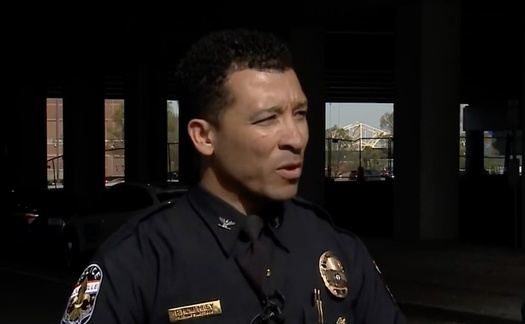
x: 239, y: 247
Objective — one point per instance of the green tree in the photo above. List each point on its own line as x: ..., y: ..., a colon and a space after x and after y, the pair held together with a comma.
x: 386, y: 122
x: 338, y: 150
x: 498, y: 142
x: 116, y: 129
x: 371, y: 158
x: 337, y: 133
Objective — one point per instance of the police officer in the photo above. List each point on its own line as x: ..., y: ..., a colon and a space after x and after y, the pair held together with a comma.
x: 239, y: 247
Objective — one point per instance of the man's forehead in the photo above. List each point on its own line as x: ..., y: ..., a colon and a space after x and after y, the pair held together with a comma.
x: 251, y: 81
x: 255, y: 75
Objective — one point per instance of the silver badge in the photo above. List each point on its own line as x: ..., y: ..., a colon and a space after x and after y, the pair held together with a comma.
x: 226, y: 223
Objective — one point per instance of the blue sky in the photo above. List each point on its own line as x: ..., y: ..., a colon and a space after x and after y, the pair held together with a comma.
x: 342, y: 114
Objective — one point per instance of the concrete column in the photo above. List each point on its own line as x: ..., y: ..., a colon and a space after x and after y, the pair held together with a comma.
x: 145, y: 121
x: 189, y: 162
x: 426, y: 198
x: 521, y: 223
x: 308, y: 50
x: 6, y: 133
x: 28, y: 138
x: 83, y: 127
x: 475, y: 153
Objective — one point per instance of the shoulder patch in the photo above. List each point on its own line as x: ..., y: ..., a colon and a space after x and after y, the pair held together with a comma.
x: 82, y: 301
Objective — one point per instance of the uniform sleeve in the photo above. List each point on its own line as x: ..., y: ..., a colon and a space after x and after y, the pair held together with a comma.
x: 108, y: 291
x: 375, y: 303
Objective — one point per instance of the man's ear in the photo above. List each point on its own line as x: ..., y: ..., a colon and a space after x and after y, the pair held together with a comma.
x: 201, y: 134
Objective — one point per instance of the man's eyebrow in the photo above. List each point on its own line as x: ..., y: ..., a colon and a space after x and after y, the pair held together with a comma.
x: 277, y: 109
x: 301, y: 105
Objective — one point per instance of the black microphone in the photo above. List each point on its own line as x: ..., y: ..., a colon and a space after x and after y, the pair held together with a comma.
x: 272, y: 311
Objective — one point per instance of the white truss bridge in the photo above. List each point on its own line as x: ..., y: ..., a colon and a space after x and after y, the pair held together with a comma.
x: 360, y: 135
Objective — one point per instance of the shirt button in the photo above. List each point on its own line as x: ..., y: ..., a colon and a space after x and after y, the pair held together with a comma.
x: 268, y: 272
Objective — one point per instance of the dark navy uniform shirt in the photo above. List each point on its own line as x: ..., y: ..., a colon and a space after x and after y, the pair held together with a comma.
x: 182, y: 255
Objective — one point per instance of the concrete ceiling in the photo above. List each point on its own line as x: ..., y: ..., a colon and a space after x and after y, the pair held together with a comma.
x: 359, y: 45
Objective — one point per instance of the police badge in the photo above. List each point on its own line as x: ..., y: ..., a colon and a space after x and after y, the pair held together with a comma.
x: 333, y: 274
x: 82, y: 301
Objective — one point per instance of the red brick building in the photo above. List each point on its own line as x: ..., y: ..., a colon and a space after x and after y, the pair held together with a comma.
x: 113, y: 139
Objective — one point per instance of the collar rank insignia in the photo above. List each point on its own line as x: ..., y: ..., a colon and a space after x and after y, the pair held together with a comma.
x: 341, y: 320
x: 226, y: 223
x: 82, y: 301
x: 333, y: 274
x: 195, y: 311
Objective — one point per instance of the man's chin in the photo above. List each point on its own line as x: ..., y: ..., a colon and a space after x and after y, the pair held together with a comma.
x: 282, y: 193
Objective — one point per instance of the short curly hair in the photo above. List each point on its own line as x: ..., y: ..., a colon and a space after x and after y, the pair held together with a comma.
x: 202, y: 72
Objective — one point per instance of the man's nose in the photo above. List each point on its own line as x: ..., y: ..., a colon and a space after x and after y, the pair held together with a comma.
x: 293, y: 136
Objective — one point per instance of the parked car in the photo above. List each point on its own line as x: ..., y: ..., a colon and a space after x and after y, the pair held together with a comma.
x: 34, y: 217
x: 85, y: 231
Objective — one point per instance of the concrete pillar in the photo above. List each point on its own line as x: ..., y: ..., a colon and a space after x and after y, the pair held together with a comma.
x: 189, y: 162
x: 426, y: 197
x: 475, y: 153
x: 6, y: 133
x: 83, y: 127
x: 145, y: 121
x: 308, y: 50
x: 521, y: 223
x: 28, y: 138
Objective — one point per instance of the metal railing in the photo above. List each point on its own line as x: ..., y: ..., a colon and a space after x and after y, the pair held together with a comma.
x: 55, y: 165
x: 343, y: 156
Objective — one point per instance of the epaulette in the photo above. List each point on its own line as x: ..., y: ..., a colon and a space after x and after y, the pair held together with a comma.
x: 151, y: 211
x: 321, y: 212
x: 129, y: 227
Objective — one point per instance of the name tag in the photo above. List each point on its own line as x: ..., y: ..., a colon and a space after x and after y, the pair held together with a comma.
x: 195, y: 311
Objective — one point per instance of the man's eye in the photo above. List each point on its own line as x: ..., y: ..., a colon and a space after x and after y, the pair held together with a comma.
x: 266, y: 120
x: 301, y: 114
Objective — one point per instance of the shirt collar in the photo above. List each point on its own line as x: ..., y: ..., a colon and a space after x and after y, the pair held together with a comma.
x: 274, y: 219
x: 225, y: 222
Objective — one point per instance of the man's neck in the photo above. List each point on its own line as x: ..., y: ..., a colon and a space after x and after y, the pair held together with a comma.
x: 246, y: 204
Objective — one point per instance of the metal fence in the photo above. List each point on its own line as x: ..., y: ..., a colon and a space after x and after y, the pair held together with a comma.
x: 114, y: 162
x: 343, y: 156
